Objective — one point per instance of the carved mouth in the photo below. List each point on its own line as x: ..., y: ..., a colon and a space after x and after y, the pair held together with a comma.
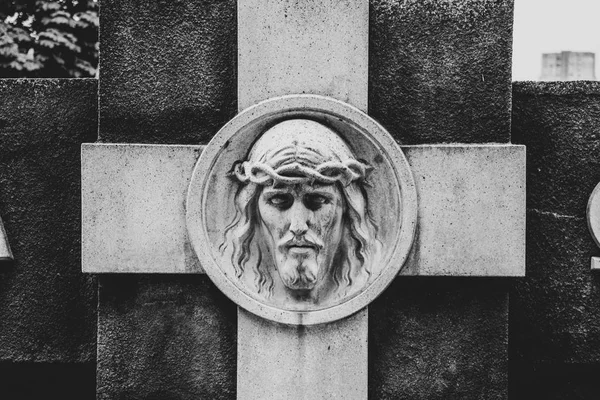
x: 301, y: 247
x: 301, y: 243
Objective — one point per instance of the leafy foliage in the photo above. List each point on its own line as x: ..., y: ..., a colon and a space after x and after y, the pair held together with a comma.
x: 48, y: 38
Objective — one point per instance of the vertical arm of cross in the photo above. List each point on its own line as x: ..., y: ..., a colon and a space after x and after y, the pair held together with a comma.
x: 316, y: 47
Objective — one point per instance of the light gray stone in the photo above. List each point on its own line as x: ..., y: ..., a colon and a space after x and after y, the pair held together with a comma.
x: 480, y: 189
x: 593, y: 214
x: 322, y: 141
x: 327, y: 361
x: 5, y: 253
x: 471, y: 210
x: 315, y: 46
x: 593, y: 220
x: 133, y: 217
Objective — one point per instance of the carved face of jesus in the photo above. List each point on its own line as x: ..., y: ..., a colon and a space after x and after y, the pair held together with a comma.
x: 302, y: 226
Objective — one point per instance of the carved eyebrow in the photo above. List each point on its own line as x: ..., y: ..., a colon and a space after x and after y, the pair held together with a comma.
x: 321, y: 188
x: 317, y: 188
x: 327, y: 195
x: 278, y: 188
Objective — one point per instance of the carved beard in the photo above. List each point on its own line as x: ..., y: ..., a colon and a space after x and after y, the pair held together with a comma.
x: 298, y: 260
x: 299, y: 270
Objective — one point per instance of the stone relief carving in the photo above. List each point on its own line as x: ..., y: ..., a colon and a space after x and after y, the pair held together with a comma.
x: 593, y: 220
x: 302, y: 231
x: 302, y: 209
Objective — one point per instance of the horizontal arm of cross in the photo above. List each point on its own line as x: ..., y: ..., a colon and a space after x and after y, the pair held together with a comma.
x: 471, y: 209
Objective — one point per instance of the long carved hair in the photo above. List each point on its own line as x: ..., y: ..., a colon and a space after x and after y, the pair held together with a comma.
x: 358, y: 249
x: 301, y: 152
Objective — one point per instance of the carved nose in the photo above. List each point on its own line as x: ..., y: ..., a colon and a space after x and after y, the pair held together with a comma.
x: 299, y: 220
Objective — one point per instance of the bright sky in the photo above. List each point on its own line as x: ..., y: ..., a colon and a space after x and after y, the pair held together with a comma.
x: 551, y: 26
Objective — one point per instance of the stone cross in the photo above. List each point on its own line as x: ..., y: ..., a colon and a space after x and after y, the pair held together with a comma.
x: 460, y: 210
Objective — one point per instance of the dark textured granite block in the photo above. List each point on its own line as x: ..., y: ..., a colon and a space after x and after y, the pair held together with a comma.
x: 167, y: 70
x: 440, y: 71
x: 41, y: 380
x: 555, y: 314
x: 555, y: 309
x: 47, y: 306
x: 165, y: 337
x: 560, y: 124
x: 439, y: 338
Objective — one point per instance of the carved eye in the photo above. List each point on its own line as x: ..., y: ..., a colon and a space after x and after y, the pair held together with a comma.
x: 315, y: 201
x: 282, y: 201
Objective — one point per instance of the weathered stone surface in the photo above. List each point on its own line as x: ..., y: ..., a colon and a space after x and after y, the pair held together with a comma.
x: 555, y: 310
x: 175, y: 337
x: 47, y: 306
x: 555, y: 382
x: 133, y: 208
x: 319, y: 48
x: 440, y: 71
x: 439, y: 338
x: 168, y: 70
x: 218, y: 204
x: 316, y: 47
x: 165, y: 337
x: 486, y: 207
x: 326, y: 361
x: 559, y: 124
x: 43, y: 380
x: 471, y: 210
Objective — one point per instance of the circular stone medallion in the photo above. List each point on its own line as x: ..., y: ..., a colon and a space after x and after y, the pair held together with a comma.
x: 593, y: 214
x: 302, y: 209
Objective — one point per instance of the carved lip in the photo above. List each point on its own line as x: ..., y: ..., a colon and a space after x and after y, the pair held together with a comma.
x: 300, y: 249
x: 300, y: 245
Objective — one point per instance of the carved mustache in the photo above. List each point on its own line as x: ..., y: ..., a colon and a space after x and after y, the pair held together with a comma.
x: 309, y: 239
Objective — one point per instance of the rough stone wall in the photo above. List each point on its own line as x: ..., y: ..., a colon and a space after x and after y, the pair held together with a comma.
x: 168, y: 70
x: 165, y: 337
x: 555, y: 310
x: 47, y: 307
x: 439, y: 338
x: 168, y: 76
x: 440, y: 71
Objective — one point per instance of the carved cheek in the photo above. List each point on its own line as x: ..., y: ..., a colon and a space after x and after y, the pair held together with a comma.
x: 328, y: 219
x: 280, y: 223
x: 336, y: 220
x: 271, y: 219
x: 283, y: 224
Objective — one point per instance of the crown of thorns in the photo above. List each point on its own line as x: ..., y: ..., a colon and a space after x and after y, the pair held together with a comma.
x: 328, y: 172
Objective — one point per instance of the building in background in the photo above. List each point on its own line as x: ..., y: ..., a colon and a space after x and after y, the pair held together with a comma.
x: 568, y: 66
